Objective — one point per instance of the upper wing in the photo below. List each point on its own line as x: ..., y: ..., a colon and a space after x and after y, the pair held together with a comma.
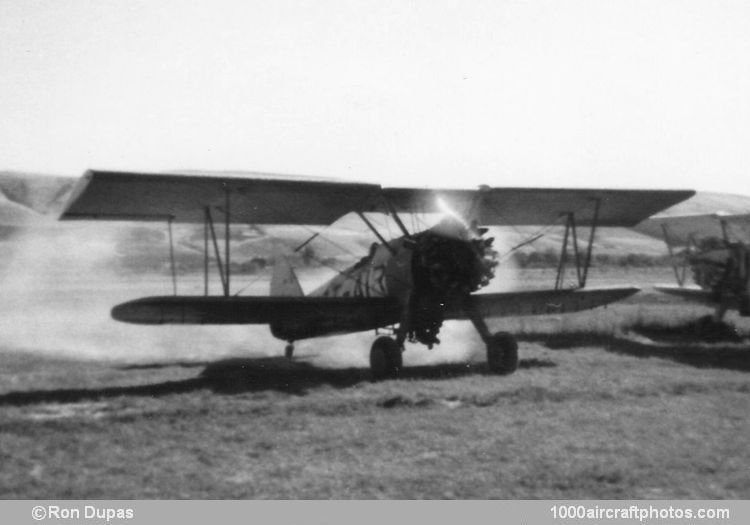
x: 270, y: 199
x: 256, y: 198
x: 679, y: 228
x: 539, y: 206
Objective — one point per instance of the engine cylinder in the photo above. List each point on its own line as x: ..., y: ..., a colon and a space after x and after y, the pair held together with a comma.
x: 445, y: 267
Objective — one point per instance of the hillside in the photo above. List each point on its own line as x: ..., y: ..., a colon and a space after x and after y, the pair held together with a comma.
x: 709, y: 202
x: 39, y: 194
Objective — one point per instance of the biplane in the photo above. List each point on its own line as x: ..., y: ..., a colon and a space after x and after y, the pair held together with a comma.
x: 411, y: 283
x: 714, y: 247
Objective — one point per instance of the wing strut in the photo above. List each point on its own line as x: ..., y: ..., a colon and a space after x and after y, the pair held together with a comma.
x: 205, y: 253
x: 563, y: 254
x: 224, y: 281
x: 400, y: 224
x: 590, y: 247
x: 376, y: 232
x: 724, y: 230
x: 171, y: 256
x: 308, y: 241
x: 226, y: 237
x: 679, y: 273
x: 571, y: 233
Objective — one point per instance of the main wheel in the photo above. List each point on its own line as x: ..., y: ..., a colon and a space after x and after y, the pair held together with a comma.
x: 710, y: 330
x: 385, y: 358
x: 502, y: 354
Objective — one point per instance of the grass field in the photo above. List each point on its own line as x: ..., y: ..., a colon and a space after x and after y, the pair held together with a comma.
x: 596, y: 410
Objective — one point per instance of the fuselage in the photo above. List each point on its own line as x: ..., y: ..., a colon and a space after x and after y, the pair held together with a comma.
x: 726, y: 273
x: 384, y: 272
x: 418, y: 274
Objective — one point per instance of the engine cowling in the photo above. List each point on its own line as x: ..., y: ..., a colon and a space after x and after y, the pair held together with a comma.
x: 449, y: 261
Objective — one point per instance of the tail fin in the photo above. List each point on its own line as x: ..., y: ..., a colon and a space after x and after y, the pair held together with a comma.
x: 283, y: 281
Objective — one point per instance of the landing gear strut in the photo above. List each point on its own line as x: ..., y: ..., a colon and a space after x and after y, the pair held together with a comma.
x: 502, y: 348
x: 385, y: 358
x: 502, y: 354
x: 289, y: 351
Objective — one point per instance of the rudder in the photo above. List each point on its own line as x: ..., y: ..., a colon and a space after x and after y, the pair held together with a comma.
x: 284, y: 282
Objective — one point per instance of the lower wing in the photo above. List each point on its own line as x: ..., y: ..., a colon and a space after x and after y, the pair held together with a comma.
x: 186, y: 309
x: 541, y: 302
x: 692, y: 294
x: 345, y: 314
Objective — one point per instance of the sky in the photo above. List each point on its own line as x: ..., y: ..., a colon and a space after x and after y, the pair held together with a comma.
x: 624, y: 94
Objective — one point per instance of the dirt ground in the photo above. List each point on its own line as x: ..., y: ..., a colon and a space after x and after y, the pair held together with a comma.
x: 596, y: 410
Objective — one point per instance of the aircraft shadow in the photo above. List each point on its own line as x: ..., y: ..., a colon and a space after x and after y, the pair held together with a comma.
x: 727, y: 355
x: 240, y: 375
x: 167, y: 364
x: 243, y: 375
x: 75, y: 395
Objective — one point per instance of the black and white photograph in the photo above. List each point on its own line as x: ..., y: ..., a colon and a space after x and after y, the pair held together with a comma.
x: 374, y: 250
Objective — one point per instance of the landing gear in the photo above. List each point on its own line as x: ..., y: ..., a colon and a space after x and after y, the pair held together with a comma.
x: 712, y: 327
x: 385, y: 358
x: 502, y: 353
x: 289, y: 351
x: 502, y: 348
x: 708, y: 329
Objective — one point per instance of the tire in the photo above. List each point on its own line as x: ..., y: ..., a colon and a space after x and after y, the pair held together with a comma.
x: 705, y: 327
x: 709, y: 330
x: 502, y: 354
x: 385, y: 358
